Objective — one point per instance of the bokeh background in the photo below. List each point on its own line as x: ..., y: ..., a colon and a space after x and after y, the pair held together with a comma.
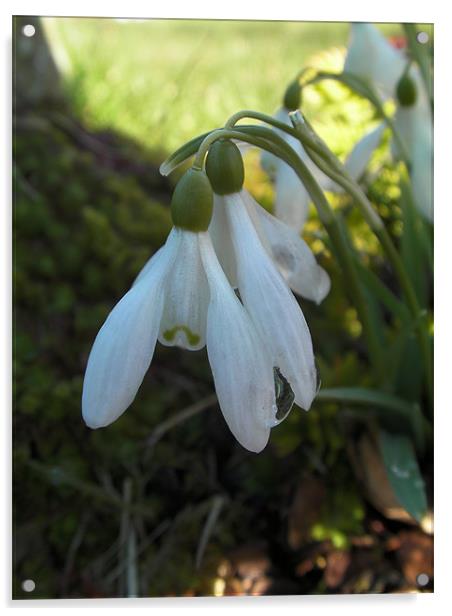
x: 164, y: 502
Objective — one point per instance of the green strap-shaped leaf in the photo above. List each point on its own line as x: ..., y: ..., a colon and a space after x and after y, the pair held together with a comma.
x: 403, y: 472
x: 393, y: 412
x: 362, y: 395
x: 383, y: 293
x: 412, y: 245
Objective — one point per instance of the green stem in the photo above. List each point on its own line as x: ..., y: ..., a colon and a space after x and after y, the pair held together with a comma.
x: 343, y: 249
x: 365, y: 90
x: 345, y: 256
x: 268, y: 140
x: 221, y: 133
x: 389, y: 407
x: 342, y: 177
x: 257, y: 115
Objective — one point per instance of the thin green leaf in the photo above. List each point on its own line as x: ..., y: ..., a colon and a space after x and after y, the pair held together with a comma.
x: 382, y: 293
x: 403, y: 472
x: 409, y: 371
x: 362, y: 395
x: 394, y: 412
x: 411, y: 245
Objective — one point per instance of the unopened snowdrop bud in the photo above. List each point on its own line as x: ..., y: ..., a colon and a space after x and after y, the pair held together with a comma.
x: 406, y: 91
x: 224, y: 167
x: 292, y: 96
x: 192, y: 202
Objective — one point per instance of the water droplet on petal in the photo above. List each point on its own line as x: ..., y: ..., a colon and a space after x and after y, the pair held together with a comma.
x: 284, y: 394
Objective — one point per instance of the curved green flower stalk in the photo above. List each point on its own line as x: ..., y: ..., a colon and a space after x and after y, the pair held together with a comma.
x: 268, y: 140
x: 332, y: 166
x: 335, y: 169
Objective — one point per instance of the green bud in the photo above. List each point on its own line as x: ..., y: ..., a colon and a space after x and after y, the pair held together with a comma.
x: 192, y: 202
x: 406, y: 91
x: 224, y: 167
x: 292, y: 96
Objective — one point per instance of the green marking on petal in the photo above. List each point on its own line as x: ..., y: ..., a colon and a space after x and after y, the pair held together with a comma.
x: 192, y: 338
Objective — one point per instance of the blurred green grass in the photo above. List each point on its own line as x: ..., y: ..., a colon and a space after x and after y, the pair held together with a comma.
x: 164, y: 81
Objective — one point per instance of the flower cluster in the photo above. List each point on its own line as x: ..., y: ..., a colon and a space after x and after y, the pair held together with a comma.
x: 291, y: 197
x: 372, y: 57
x: 222, y: 280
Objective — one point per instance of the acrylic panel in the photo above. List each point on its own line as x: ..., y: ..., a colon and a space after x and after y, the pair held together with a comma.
x: 223, y: 308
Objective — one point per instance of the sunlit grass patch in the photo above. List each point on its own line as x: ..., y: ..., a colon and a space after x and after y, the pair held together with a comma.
x: 164, y: 81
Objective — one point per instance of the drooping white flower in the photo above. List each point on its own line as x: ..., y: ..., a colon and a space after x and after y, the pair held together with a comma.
x: 291, y: 197
x: 372, y: 57
x: 241, y: 364
x: 182, y: 297
x: 290, y: 253
x: 241, y: 232
x: 266, y: 296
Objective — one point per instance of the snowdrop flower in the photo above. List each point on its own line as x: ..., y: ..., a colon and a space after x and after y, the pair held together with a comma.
x: 182, y: 297
x: 289, y: 252
x: 291, y: 197
x: 262, y: 289
x: 372, y: 57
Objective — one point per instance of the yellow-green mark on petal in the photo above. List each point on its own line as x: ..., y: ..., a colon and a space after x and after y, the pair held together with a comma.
x: 192, y: 338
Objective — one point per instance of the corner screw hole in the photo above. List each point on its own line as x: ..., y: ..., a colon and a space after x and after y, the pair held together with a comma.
x: 28, y: 585
x: 422, y: 579
x: 29, y: 30
x: 422, y: 38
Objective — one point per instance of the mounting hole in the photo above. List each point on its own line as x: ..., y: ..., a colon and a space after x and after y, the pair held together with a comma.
x: 422, y: 38
x: 423, y: 579
x: 29, y: 30
x: 28, y: 585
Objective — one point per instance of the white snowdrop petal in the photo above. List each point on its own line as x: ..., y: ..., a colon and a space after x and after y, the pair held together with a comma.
x: 184, y: 316
x: 269, y: 163
x: 361, y: 153
x: 405, y: 120
x: 221, y: 239
x: 422, y: 171
x: 292, y: 255
x: 271, y: 305
x: 416, y: 129
x: 147, y: 267
x: 241, y: 367
x: 295, y: 144
x: 372, y: 57
x: 291, y: 197
x: 123, y: 349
